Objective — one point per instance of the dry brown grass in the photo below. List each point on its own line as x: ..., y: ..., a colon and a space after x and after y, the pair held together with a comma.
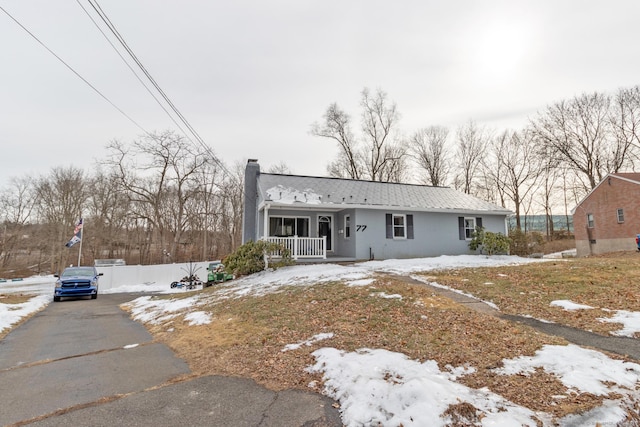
x: 558, y: 245
x: 14, y: 298
x: 610, y: 282
x: 248, y: 334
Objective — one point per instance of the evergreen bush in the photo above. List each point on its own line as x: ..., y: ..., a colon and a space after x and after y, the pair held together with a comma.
x: 489, y: 243
x: 253, y: 257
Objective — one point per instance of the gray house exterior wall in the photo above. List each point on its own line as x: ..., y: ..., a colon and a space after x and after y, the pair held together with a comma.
x: 435, y: 216
x: 434, y: 234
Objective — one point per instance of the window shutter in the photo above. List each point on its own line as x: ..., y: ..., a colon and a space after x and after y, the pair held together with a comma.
x: 461, y: 233
x: 389, y: 226
x: 478, y: 222
x: 409, y: 226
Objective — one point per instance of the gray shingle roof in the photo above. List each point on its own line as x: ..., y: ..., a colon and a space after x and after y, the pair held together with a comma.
x: 306, y: 190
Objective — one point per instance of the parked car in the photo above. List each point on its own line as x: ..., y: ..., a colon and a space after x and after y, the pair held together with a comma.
x: 77, y: 282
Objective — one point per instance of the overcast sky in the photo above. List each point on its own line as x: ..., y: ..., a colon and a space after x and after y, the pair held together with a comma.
x: 252, y: 76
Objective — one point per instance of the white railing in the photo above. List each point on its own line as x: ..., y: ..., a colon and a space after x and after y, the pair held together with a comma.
x: 302, y: 247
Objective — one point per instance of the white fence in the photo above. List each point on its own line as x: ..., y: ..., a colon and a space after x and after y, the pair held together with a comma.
x: 127, y: 275
x: 302, y: 247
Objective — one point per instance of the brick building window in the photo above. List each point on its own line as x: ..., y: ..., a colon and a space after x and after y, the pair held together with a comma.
x: 620, y: 213
x: 590, y: 220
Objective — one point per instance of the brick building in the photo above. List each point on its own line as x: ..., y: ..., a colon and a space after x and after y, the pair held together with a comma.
x: 608, y: 218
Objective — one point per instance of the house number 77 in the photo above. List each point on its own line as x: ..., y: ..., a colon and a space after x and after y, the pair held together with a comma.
x: 361, y: 228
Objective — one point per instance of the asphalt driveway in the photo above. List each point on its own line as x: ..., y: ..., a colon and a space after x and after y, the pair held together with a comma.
x: 85, y: 362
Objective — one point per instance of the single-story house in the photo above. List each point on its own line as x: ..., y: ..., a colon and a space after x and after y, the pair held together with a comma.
x: 608, y: 218
x: 344, y: 218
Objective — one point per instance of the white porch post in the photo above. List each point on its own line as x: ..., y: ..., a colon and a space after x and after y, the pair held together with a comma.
x: 295, y: 247
x: 324, y: 247
x: 265, y: 230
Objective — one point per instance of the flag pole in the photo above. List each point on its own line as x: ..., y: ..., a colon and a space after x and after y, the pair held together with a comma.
x: 81, y: 239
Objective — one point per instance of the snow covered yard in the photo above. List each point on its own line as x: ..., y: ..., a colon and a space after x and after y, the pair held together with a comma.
x: 394, y: 354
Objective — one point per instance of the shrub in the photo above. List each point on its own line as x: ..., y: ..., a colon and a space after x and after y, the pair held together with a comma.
x: 523, y: 244
x: 250, y: 257
x: 489, y: 243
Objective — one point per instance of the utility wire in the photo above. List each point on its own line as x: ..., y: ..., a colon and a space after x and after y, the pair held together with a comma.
x: 94, y: 4
x: 129, y: 66
x: 73, y: 71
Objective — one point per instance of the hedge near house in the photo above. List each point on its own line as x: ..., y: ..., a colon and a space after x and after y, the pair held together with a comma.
x: 489, y: 243
x: 253, y: 257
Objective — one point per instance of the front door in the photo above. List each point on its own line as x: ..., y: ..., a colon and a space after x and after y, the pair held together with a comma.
x: 324, y: 229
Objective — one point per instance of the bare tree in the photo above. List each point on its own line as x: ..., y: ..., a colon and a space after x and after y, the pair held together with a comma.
x: 471, y: 150
x: 490, y: 176
x: 108, y: 212
x: 379, y: 120
x: 158, y: 173
x: 231, y: 207
x: 205, y: 211
x: 625, y: 123
x: 280, y: 168
x: 379, y: 154
x: 549, y: 174
x: 579, y: 131
x: 517, y: 167
x: 428, y: 147
x: 17, y: 202
x: 337, y: 126
x: 62, y: 198
x: 395, y: 168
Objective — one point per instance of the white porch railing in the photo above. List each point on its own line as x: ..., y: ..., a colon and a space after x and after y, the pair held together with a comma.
x: 302, y: 247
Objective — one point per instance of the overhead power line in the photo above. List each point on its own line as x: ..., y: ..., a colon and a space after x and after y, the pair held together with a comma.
x: 112, y: 28
x: 129, y: 66
x: 103, y: 96
x: 103, y: 16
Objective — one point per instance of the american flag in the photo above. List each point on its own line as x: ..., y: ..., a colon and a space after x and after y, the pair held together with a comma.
x: 78, y: 227
x: 77, y: 235
x: 75, y: 239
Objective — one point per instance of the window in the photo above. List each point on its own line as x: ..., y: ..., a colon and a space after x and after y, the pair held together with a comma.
x: 469, y: 228
x: 399, y: 226
x: 590, y: 220
x: 620, y: 213
x: 347, y: 226
x: 288, y: 226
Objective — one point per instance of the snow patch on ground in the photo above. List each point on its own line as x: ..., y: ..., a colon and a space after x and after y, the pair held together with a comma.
x: 629, y: 319
x: 386, y: 295
x: 309, y: 342
x: 578, y: 368
x: 157, y: 311
x: 10, y: 314
x: 379, y: 387
x: 570, y: 305
x: 198, y: 318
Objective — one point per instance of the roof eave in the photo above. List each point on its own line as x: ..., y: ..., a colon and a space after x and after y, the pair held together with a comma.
x: 342, y: 206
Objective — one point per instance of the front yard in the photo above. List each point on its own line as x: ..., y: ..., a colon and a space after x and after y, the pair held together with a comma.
x: 273, y: 336
x: 606, y: 284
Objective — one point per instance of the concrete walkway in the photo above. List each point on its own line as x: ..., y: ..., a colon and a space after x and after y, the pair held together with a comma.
x: 624, y: 346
